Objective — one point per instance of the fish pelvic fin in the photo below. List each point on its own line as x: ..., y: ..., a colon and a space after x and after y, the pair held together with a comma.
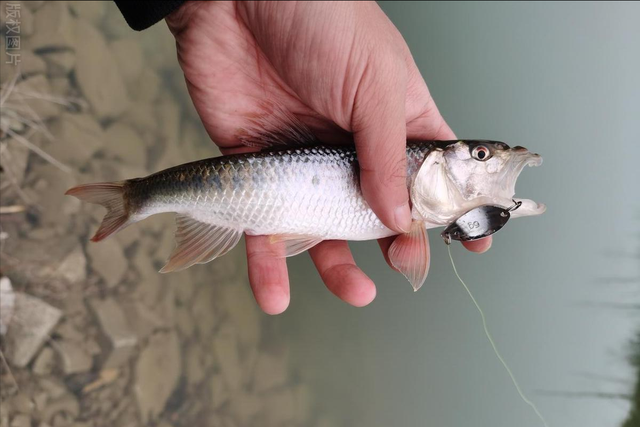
x: 409, y: 253
x: 274, y: 126
x: 111, y: 196
x: 294, y: 244
x: 199, y: 242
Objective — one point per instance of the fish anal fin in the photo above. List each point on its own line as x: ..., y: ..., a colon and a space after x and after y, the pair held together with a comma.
x: 295, y: 244
x: 199, y: 242
x: 409, y: 253
x: 274, y: 126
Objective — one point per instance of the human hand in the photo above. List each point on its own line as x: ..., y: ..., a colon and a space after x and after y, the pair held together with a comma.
x: 342, y: 68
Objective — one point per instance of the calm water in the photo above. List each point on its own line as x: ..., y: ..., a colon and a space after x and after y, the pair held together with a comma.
x: 133, y: 348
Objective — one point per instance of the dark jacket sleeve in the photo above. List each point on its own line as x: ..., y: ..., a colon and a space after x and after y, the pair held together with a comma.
x: 143, y: 14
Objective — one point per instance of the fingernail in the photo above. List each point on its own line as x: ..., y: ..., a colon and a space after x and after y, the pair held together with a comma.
x: 403, y: 218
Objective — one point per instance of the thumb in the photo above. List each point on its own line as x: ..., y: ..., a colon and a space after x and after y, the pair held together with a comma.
x: 379, y: 128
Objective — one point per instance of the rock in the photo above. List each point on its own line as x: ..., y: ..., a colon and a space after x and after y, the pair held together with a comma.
x: 280, y: 406
x: 203, y: 310
x: 141, y: 117
x: 270, y: 372
x: 119, y: 339
x: 55, y: 209
x: 24, y: 338
x: 22, y: 403
x: 108, y: 260
x: 243, y: 310
x: 21, y: 421
x: 76, y: 138
x: 55, y: 27
x: 74, y: 358
x: 13, y: 160
x: 45, y: 362
x: 92, y: 11
x: 149, y: 286
x: 219, y: 391
x: 159, y: 46
x: 168, y: 117
x: 66, y: 406
x: 60, y: 86
x: 184, y: 322
x: 124, y: 143
x: 157, y: 374
x: 194, y: 365
x: 114, y: 25
x: 7, y: 304
x: 245, y: 407
x: 98, y: 75
x: 131, y: 236
x: 143, y: 321
x: 26, y: 22
x: 73, y: 268
x: 147, y: 86
x: 34, y: 92
x: 52, y: 386
x: 31, y: 64
x: 225, y: 348
x: 302, y: 398
x: 33, y: 5
x: 129, y: 56
x: 59, y: 63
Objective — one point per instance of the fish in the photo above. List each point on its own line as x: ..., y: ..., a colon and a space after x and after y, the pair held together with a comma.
x: 300, y: 192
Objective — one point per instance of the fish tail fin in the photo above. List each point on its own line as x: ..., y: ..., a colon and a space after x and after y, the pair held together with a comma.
x: 111, y: 196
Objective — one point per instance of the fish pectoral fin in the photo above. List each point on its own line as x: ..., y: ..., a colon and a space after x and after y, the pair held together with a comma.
x: 274, y: 126
x: 198, y: 243
x: 294, y: 243
x: 409, y: 253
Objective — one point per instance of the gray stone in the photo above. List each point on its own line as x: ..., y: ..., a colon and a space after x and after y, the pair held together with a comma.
x: 203, y: 310
x: 22, y: 403
x: 75, y: 359
x: 141, y: 117
x: 73, y: 268
x: 55, y: 27
x: 59, y: 63
x: 14, y: 159
x: 52, y: 386
x: 31, y: 64
x: 45, y: 362
x: 114, y: 25
x: 76, y: 138
x: 108, y: 260
x: 66, y: 406
x: 130, y: 59
x: 270, y: 372
x: 55, y: 209
x: 125, y: 144
x: 143, y: 321
x: 157, y: 374
x: 120, y: 339
x: 98, y: 75
x: 168, y: 116
x: 219, y: 391
x: 280, y: 407
x: 21, y: 421
x: 60, y: 86
x: 34, y: 92
x: 131, y: 236
x: 303, y: 401
x: 194, y: 365
x: 243, y: 310
x: 34, y: 4
x: 24, y: 338
x: 26, y: 22
x: 245, y: 407
x: 7, y: 304
x: 147, y: 87
x: 184, y: 322
x: 92, y: 11
x: 225, y: 348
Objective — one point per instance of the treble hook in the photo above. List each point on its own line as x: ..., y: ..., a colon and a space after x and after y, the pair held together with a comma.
x: 515, y: 206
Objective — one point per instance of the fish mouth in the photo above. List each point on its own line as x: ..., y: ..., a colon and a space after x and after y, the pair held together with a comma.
x: 519, y: 159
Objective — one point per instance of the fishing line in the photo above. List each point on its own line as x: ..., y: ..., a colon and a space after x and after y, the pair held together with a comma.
x: 493, y: 344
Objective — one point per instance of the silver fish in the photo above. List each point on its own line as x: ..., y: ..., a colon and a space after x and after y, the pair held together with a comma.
x: 301, y: 194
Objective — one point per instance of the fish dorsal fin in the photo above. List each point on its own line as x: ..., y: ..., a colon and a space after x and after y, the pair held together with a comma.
x: 276, y: 127
x: 409, y: 253
x: 295, y: 244
x: 198, y: 243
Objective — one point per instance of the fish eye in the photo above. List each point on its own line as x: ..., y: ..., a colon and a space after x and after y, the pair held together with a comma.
x: 481, y: 153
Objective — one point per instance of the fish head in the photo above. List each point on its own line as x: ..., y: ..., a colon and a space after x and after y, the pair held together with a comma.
x: 467, y: 174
